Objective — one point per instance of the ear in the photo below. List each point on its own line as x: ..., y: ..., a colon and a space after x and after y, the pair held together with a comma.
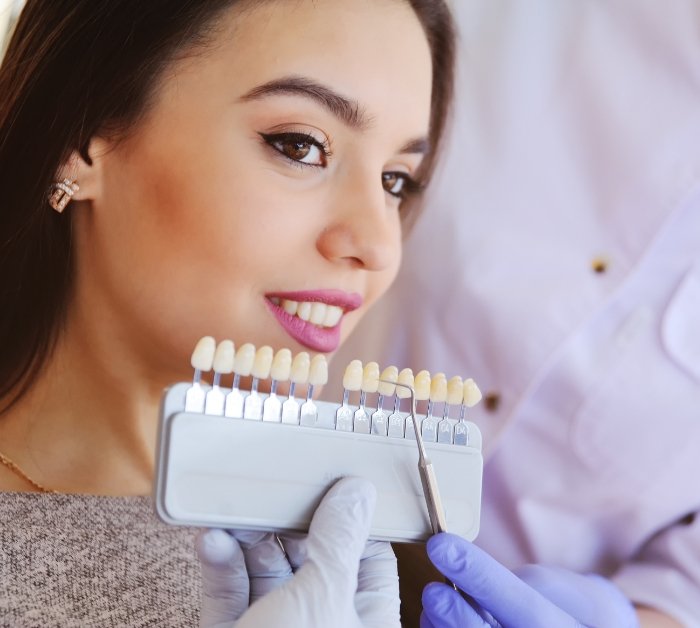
x: 85, y: 168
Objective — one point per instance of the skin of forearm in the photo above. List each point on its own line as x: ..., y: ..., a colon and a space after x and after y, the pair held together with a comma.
x: 650, y: 618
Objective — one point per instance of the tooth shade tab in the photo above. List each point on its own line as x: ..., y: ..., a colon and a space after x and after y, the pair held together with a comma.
x: 224, y: 357
x: 262, y: 363
x: 245, y: 357
x: 422, y: 385
x: 370, y: 377
x: 352, y: 379
x: 281, y: 365
x: 472, y: 394
x: 455, y: 391
x: 406, y: 378
x: 203, y: 354
x: 390, y: 373
x: 300, y: 368
x: 318, y: 371
x: 438, y: 388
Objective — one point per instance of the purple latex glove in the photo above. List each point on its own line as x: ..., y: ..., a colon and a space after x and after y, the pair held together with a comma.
x: 533, y: 596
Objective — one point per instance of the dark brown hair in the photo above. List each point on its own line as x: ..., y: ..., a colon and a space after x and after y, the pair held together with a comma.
x: 75, y: 68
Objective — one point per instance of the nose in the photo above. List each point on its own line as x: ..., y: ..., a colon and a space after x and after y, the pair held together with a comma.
x: 364, y: 227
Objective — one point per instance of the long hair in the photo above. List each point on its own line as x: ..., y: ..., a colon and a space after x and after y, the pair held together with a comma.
x: 75, y: 68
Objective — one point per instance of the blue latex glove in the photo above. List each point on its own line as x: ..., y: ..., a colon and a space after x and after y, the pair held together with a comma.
x: 332, y: 577
x: 535, y: 596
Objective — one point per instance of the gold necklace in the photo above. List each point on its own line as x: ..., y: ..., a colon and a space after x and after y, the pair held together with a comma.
x: 17, y: 471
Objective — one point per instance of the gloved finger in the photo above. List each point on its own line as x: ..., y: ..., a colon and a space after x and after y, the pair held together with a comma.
x: 425, y: 621
x: 322, y: 592
x: 266, y: 561
x: 446, y: 608
x: 225, y: 587
x: 294, y: 544
x: 377, y: 598
x: 339, y: 529
x: 494, y: 587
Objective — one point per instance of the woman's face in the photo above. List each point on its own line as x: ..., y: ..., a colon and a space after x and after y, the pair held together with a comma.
x: 258, y: 200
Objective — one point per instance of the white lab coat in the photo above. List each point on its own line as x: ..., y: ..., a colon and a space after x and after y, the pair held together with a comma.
x: 576, y: 144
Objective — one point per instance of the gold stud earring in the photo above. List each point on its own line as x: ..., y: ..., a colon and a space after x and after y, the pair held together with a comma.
x: 61, y: 194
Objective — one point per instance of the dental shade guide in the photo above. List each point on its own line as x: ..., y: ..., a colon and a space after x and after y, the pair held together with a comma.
x: 386, y: 388
x: 279, y: 372
x: 216, y: 469
x: 318, y: 376
x: 202, y: 360
x: 299, y: 374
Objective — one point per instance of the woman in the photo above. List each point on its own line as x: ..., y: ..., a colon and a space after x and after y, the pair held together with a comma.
x: 202, y: 161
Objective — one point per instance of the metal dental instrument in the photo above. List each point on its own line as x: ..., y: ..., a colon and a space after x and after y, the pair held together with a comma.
x: 426, y: 472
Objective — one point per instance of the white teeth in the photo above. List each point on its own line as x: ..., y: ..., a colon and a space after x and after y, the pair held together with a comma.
x: 290, y: 307
x: 314, y: 312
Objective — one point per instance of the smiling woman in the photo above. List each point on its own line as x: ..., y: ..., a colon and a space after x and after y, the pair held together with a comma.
x: 170, y: 170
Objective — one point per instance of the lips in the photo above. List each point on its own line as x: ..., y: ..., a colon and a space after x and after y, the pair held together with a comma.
x: 313, y: 317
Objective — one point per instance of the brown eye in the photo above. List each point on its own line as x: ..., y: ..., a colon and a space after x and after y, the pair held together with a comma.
x: 299, y: 148
x: 393, y: 183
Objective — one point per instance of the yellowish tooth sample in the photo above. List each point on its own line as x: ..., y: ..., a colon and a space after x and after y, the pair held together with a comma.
x: 203, y: 354
x: 318, y: 371
x: 281, y: 365
x: 406, y: 378
x: 390, y: 373
x: 438, y: 388
x: 318, y: 313
x: 370, y: 377
x: 224, y: 357
x: 262, y: 362
x: 422, y: 385
x: 472, y: 394
x: 352, y: 379
x: 455, y: 390
x: 300, y: 368
x: 245, y: 356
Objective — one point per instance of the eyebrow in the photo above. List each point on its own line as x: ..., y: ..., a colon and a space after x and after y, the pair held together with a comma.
x: 349, y: 111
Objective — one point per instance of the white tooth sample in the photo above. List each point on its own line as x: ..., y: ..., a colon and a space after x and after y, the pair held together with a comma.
x: 281, y: 365
x: 352, y: 379
x: 245, y: 356
x: 262, y: 363
x: 370, y: 377
x: 390, y: 373
x: 318, y: 313
x: 406, y: 378
x: 318, y: 372
x: 438, y: 388
x: 455, y: 391
x: 300, y: 368
x: 224, y: 357
x: 472, y: 394
x: 333, y: 316
x: 203, y: 354
x: 304, y: 311
x: 290, y: 306
x: 422, y: 385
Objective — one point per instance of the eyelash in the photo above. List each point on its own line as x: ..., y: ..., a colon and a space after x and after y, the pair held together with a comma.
x: 409, y: 188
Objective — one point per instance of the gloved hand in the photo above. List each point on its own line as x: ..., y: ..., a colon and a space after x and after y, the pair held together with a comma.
x: 332, y: 577
x: 534, y: 596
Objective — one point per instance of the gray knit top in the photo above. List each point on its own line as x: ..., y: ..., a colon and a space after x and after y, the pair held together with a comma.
x: 83, y: 560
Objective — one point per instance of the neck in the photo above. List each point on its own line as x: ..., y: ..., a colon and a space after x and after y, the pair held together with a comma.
x: 88, y: 423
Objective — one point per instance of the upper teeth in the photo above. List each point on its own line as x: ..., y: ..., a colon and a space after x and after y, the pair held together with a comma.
x: 314, y: 312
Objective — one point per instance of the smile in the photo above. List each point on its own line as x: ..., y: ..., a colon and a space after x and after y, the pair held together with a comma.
x: 313, y: 318
x: 316, y: 313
